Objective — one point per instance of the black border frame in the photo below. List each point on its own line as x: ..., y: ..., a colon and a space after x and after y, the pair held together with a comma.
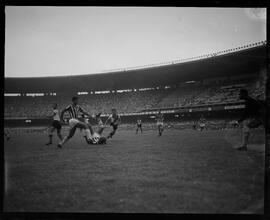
x: 146, y: 3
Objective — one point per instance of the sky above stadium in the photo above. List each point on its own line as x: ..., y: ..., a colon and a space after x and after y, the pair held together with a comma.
x: 56, y: 41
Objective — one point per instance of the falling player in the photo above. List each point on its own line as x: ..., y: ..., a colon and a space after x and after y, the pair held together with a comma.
x: 74, y: 123
x: 115, y: 120
x: 139, y: 125
x: 96, y: 138
x: 56, y: 124
x: 159, y: 118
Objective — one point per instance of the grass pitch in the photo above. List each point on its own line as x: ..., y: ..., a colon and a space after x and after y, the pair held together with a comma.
x: 183, y: 171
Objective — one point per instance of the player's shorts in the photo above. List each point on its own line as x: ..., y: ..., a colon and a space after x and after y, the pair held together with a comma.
x: 251, y: 123
x: 73, y: 122
x: 56, y: 124
x: 139, y: 125
x: 202, y: 125
x: 159, y: 123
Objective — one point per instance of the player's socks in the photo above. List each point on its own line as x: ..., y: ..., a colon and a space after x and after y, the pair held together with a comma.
x: 50, y: 139
x: 88, y: 141
x: 61, y: 143
x: 87, y: 133
x: 60, y: 137
x: 87, y: 136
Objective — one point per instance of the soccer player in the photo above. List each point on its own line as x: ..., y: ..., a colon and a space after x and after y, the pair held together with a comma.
x: 253, y: 117
x: 56, y: 124
x: 194, y: 125
x: 115, y: 120
x: 139, y: 125
x: 235, y: 124
x: 73, y: 110
x: 96, y: 138
x: 159, y: 118
x: 6, y: 135
x: 202, y: 122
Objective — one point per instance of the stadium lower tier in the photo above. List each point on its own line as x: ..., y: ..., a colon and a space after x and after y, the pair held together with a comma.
x: 187, y: 95
x: 226, y: 116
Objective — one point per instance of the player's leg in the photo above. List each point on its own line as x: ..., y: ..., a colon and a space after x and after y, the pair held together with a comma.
x: 58, y: 128
x: 137, y: 128
x: 59, y: 134
x: 99, y: 120
x: 141, y: 129
x: 66, y: 138
x: 113, y: 131
x: 245, y: 135
x: 161, y: 129
x: 86, y: 128
x: 100, y: 130
x: 100, y: 123
x: 51, y: 130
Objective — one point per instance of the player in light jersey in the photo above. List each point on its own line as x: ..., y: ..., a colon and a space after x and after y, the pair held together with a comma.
x: 115, y: 120
x: 139, y: 125
x: 159, y: 118
x: 202, y: 122
x: 56, y: 124
x: 74, y: 122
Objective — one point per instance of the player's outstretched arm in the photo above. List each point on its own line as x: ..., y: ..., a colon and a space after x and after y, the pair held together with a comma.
x: 107, y: 120
x: 85, y: 113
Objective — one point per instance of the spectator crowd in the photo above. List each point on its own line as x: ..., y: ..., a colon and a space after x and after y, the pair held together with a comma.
x: 127, y: 102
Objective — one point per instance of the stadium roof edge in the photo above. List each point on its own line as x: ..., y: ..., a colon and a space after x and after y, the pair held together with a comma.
x: 236, y: 62
x: 168, y: 63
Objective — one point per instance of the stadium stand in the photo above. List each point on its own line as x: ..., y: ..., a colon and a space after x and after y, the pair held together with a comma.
x: 187, y: 95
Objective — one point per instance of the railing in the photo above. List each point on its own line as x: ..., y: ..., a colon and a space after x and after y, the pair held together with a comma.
x: 183, y: 60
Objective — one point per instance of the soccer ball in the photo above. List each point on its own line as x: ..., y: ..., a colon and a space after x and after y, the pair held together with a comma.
x: 96, y: 137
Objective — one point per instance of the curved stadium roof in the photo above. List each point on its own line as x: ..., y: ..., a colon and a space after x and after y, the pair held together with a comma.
x: 244, y: 60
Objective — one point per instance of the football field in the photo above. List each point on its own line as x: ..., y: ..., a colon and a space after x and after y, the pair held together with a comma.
x: 183, y: 171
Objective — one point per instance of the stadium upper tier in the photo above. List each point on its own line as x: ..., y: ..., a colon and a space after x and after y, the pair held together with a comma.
x: 209, y: 92
x: 243, y: 60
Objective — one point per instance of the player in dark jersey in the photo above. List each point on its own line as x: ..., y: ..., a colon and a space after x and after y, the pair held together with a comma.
x: 194, y: 125
x: 115, y: 120
x: 159, y: 118
x: 56, y: 124
x: 74, y: 109
x: 7, y: 135
x: 253, y: 116
x: 139, y: 126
